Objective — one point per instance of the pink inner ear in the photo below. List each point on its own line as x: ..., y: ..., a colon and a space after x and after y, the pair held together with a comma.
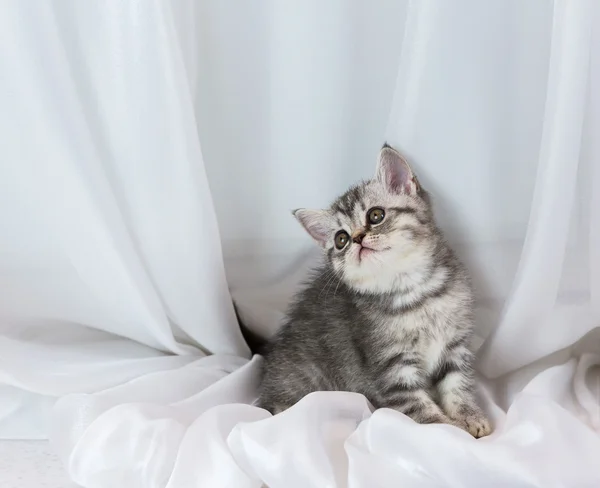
x: 406, y: 183
x: 316, y: 222
x: 400, y: 179
x: 318, y: 231
x: 395, y: 173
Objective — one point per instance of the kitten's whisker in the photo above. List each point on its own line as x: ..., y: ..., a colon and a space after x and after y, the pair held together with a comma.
x: 330, y: 278
x: 330, y: 285
x: 341, y: 276
x: 336, y: 288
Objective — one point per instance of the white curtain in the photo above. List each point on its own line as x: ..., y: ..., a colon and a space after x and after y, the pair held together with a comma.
x: 118, y: 337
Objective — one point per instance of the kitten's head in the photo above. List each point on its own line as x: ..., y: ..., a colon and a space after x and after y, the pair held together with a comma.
x: 377, y: 230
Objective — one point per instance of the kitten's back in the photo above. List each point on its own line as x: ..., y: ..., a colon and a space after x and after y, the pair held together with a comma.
x: 306, y: 353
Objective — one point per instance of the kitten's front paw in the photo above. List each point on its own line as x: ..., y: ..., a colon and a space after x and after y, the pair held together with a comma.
x: 477, y: 425
x: 471, y: 418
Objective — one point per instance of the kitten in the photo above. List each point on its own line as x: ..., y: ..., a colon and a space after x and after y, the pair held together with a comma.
x: 389, y: 314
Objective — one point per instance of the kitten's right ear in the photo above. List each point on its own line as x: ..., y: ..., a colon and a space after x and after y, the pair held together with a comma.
x: 395, y: 173
x: 318, y: 223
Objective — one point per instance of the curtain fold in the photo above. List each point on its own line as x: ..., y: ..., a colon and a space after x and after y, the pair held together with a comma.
x: 150, y: 154
x: 111, y: 260
x: 535, y: 295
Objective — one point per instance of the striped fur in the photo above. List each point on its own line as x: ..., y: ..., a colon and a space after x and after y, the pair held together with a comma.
x: 389, y: 316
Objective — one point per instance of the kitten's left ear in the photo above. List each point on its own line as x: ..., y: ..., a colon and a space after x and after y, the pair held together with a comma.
x: 318, y: 223
x: 395, y: 173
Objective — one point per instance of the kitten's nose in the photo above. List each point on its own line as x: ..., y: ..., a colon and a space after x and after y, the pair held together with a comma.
x: 358, y: 238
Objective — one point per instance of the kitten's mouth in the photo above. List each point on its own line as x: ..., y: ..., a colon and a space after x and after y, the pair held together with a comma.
x: 365, y: 251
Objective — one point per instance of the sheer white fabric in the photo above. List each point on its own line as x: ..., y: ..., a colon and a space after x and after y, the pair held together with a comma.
x: 117, y: 334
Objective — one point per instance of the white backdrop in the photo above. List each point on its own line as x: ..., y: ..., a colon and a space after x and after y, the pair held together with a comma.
x: 150, y: 154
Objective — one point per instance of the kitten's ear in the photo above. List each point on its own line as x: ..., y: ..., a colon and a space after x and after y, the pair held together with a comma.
x: 318, y: 223
x: 395, y: 173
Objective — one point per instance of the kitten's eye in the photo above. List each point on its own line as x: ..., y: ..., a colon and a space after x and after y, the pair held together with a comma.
x: 341, y: 239
x: 376, y: 215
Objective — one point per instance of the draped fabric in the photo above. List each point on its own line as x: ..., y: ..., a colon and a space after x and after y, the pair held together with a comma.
x: 150, y: 153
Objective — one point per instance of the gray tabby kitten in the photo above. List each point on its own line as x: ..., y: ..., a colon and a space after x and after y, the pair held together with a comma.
x: 390, y: 313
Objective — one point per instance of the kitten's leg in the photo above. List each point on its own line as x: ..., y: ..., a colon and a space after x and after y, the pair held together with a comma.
x: 282, y: 390
x: 419, y: 406
x: 403, y: 388
x: 456, y: 388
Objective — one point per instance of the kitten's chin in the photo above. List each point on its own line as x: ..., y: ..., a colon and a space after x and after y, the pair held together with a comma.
x: 365, y: 252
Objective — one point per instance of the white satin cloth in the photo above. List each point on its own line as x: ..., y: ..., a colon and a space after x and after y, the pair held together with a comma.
x: 150, y: 152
